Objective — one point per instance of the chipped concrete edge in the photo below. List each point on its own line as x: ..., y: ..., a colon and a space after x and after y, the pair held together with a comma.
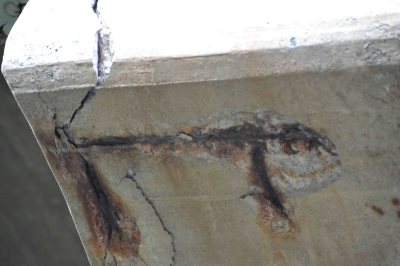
x: 374, y: 43
x: 89, y: 72
x: 105, y: 52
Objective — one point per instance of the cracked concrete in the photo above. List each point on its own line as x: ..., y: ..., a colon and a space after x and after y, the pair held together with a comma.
x: 105, y: 52
x: 195, y: 201
x: 36, y: 226
x: 189, y: 157
x: 274, y: 217
x: 131, y: 177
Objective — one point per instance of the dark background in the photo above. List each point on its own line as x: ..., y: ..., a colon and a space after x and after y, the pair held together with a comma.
x: 35, y: 225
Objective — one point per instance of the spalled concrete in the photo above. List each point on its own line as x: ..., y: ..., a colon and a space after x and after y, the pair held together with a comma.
x: 228, y: 142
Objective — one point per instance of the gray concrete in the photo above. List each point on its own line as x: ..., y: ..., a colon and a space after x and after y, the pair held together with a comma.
x: 35, y: 225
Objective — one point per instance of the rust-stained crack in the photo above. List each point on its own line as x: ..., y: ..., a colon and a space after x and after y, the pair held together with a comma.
x: 238, y: 135
x: 110, y: 222
x: 132, y: 176
x: 273, y: 213
x: 259, y: 170
x: 103, y: 202
x: 112, y: 227
x: 118, y: 230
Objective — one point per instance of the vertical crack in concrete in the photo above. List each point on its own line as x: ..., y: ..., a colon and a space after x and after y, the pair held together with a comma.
x: 105, y: 51
x: 259, y: 170
x: 151, y: 203
x: 103, y: 62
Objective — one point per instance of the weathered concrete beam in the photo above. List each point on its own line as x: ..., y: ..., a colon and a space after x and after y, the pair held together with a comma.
x: 169, y: 134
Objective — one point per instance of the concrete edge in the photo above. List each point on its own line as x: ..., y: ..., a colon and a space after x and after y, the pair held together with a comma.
x: 375, y: 43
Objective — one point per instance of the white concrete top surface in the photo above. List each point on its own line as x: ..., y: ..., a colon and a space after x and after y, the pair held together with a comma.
x: 157, y: 42
x: 178, y: 28
x: 52, y: 31
x: 53, y: 45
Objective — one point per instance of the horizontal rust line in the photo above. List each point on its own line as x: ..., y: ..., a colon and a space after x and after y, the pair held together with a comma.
x: 122, y: 141
x: 246, y: 133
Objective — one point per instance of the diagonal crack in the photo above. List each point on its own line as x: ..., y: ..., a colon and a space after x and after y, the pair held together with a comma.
x: 131, y: 176
x: 110, y: 220
x: 65, y: 127
x: 89, y: 95
x: 102, y: 63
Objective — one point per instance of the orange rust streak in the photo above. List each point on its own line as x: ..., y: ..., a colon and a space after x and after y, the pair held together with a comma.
x: 123, y: 235
x: 278, y: 258
x: 124, y: 239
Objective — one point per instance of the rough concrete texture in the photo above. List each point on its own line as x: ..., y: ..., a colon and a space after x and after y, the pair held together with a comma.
x: 226, y: 163
x: 196, y: 194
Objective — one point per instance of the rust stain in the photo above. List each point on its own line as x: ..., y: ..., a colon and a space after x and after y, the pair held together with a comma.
x: 69, y: 163
x: 377, y: 210
x: 171, y: 171
x: 218, y: 148
x: 125, y: 238
x: 278, y: 258
x: 273, y: 221
x: 246, y: 143
x: 112, y: 227
x: 97, y: 225
x: 272, y: 216
x: 289, y: 148
x: 259, y: 177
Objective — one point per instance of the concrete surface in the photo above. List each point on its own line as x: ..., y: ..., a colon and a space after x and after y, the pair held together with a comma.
x: 351, y: 222
x: 259, y: 149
